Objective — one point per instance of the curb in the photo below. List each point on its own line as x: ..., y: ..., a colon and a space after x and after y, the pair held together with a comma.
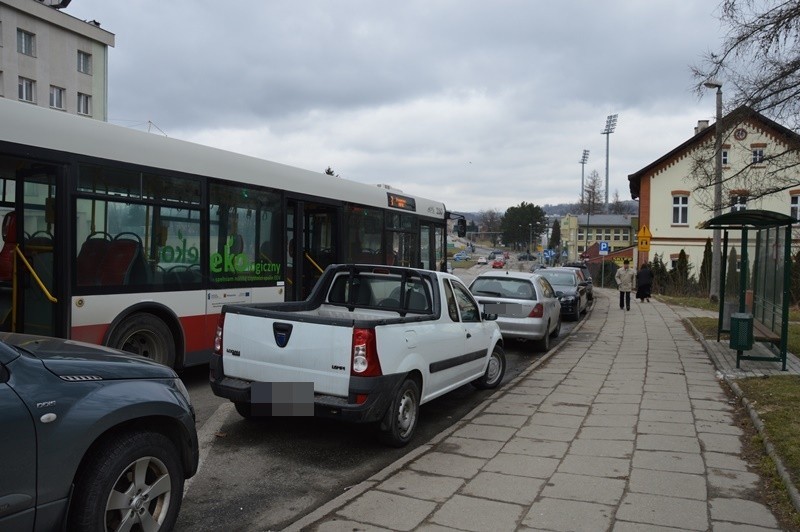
x: 355, y: 491
x: 794, y: 495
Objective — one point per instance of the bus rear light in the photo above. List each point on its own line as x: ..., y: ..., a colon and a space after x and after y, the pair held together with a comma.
x: 537, y: 312
x: 218, y: 335
x: 361, y: 398
x: 364, y: 359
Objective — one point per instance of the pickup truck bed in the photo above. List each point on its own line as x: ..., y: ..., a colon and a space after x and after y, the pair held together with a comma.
x: 370, y: 344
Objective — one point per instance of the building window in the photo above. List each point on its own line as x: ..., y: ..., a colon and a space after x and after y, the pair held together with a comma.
x: 758, y: 156
x: 738, y: 203
x: 57, y: 97
x: 617, y: 234
x: 26, y: 90
x: 26, y: 43
x: 84, y: 62
x: 84, y: 104
x: 580, y: 233
x: 795, y: 209
x: 680, y: 210
x: 626, y: 234
x: 725, y: 157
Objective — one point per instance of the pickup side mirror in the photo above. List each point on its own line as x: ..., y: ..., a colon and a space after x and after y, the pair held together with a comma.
x: 488, y: 317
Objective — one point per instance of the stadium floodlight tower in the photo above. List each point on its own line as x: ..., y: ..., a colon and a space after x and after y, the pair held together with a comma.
x: 583, y: 161
x: 611, y: 124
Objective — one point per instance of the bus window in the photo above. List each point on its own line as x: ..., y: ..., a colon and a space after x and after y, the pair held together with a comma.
x: 245, y: 235
x: 363, y: 235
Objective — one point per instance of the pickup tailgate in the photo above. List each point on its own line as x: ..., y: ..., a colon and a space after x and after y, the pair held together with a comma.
x: 313, y: 352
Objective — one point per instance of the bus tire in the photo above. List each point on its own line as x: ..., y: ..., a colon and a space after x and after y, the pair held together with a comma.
x: 145, y: 335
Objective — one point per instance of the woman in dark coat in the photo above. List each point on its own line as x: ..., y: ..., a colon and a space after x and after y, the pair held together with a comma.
x: 644, y: 282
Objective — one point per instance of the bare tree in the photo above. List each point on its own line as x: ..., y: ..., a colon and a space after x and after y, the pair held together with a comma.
x: 593, y: 194
x: 759, y: 63
x: 490, y: 222
x: 616, y: 206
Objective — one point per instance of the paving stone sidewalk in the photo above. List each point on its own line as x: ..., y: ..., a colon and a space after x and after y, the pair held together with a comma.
x: 623, y: 427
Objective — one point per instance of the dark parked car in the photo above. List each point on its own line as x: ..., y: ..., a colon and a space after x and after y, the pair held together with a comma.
x: 526, y: 256
x: 586, y: 275
x: 92, y: 438
x: 571, y: 289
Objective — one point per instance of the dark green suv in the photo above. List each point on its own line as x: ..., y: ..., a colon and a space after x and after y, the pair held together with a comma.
x: 92, y: 438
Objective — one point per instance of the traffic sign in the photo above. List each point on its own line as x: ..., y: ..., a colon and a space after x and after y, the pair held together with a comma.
x: 604, y: 248
x: 644, y: 236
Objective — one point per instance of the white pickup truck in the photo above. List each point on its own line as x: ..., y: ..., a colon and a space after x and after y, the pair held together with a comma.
x: 370, y: 344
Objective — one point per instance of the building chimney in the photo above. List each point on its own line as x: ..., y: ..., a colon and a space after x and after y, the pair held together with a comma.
x: 701, y: 125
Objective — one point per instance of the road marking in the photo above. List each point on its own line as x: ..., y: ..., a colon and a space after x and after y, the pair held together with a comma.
x: 206, y: 437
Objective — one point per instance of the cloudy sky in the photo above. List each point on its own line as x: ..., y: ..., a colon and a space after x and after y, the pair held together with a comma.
x: 480, y: 104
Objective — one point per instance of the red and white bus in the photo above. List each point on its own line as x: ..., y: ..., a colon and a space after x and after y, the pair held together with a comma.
x: 135, y: 241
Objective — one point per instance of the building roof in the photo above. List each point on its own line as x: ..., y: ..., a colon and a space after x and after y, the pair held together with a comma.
x: 605, y: 220
x: 737, y: 116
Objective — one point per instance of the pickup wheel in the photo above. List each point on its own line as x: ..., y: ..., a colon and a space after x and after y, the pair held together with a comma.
x: 243, y: 409
x: 132, y: 481
x: 400, y: 422
x: 494, y: 371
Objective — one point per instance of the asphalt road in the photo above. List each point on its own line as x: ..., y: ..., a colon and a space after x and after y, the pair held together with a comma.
x: 264, y: 475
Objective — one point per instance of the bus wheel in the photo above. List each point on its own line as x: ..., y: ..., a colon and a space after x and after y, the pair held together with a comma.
x: 144, y: 334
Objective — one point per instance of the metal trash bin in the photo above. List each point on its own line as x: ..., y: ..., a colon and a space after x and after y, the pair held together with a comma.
x: 741, y: 331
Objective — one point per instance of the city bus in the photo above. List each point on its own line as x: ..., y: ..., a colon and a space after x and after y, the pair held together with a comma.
x: 135, y: 241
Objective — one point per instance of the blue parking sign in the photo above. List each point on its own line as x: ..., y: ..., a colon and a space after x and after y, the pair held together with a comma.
x: 604, y: 248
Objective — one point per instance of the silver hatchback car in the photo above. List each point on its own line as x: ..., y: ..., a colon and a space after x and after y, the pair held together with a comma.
x: 526, y: 305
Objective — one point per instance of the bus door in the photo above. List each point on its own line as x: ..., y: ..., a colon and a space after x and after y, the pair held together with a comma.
x: 311, y: 233
x: 31, y: 226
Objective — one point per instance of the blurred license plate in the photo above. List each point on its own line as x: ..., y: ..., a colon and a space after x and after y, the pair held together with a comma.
x: 502, y: 308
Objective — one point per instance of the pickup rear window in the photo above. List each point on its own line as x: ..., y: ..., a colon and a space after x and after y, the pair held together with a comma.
x: 386, y: 291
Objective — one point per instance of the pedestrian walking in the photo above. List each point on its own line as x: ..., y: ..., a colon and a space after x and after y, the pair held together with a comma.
x: 644, y: 282
x: 625, y: 278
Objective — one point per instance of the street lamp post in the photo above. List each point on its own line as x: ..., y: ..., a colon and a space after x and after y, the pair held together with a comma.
x: 530, y: 238
x: 716, y: 253
x: 611, y: 125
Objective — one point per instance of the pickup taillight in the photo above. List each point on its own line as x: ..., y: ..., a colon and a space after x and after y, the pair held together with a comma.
x: 537, y: 312
x: 218, y: 335
x: 364, y: 360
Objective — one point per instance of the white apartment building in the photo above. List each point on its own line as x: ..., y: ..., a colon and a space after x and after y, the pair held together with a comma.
x: 51, y: 59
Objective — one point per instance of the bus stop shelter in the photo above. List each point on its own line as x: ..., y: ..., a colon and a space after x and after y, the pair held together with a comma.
x: 762, y: 299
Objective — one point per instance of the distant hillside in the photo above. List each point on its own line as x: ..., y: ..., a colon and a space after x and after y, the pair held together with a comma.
x: 561, y: 209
